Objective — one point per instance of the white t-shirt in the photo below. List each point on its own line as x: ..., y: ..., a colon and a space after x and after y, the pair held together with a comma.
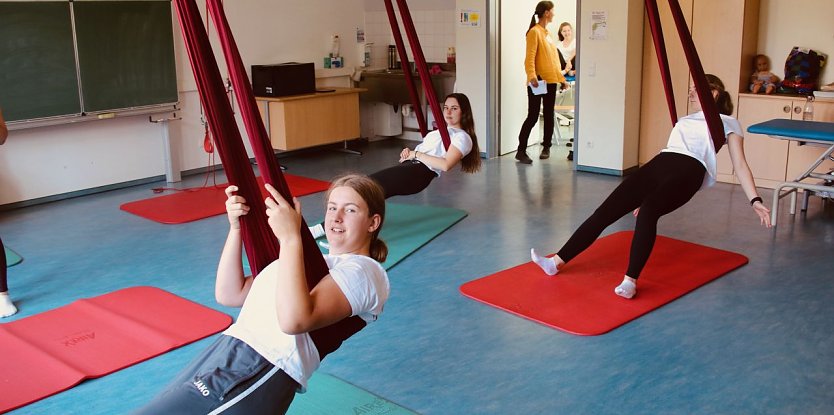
x: 690, y: 137
x: 433, y: 144
x: 364, y: 283
x: 568, y: 50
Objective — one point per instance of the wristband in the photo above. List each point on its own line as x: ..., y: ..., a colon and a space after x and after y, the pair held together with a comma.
x: 755, y: 199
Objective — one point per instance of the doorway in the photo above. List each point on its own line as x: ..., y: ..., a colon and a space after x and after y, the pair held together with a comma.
x: 513, y: 22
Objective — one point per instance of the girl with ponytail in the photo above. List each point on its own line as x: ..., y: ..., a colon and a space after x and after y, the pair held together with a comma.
x: 257, y: 365
x: 665, y: 183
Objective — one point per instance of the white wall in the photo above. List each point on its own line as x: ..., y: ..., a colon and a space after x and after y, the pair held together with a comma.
x: 807, y: 23
x: 472, y: 43
x: 47, y: 161
x: 609, y: 93
x: 434, y: 21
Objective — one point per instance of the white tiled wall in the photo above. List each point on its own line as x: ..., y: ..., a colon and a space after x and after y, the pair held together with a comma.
x: 435, y: 29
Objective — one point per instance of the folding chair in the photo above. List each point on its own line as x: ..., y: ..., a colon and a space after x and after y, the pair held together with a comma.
x: 564, y: 112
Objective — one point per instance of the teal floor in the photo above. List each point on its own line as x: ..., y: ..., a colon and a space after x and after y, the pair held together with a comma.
x: 757, y: 341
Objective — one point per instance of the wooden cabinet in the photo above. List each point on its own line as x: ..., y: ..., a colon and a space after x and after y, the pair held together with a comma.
x: 301, y: 121
x: 725, y: 35
x: 773, y: 160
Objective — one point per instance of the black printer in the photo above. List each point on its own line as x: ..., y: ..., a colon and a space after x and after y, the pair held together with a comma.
x: 291, y: 78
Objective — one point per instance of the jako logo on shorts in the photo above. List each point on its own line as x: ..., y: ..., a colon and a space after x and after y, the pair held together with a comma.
x: 204, y: 390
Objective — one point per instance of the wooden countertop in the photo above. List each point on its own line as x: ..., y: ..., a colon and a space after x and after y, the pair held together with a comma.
x: 336, y: 91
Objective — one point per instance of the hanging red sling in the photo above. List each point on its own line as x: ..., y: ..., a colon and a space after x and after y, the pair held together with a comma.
x: 696, y: 70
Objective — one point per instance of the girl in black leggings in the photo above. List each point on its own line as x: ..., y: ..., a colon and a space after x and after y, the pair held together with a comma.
x: 420, y: 166
x: 662, y: 185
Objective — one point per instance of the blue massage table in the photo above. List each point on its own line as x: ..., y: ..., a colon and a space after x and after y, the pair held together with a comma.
x: 804, y: 132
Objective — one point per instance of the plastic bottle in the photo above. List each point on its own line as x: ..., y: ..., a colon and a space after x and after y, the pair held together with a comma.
x: 334, y: 47
x: 366, y: 56
x: 808, y: 111
x: 392, y: 52
x: 450, y: 55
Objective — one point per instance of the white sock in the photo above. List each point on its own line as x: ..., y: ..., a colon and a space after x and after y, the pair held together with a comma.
x: 548, y: 265
x: 317, y: 230
x: 7, y: 308
x: 626, y: 289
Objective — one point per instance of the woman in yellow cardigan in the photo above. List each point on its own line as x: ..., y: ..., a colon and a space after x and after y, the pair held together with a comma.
x: 541, y: 63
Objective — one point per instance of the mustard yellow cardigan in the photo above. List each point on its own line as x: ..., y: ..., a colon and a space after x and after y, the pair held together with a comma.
x: 542, y: 57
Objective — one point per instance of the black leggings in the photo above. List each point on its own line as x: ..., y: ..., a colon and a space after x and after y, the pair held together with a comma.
x: 4, y: 286
x: 406, y: 178
x: 662, y: 185
x: 534, y: 104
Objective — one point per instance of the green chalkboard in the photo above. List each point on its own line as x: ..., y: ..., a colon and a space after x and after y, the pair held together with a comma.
x: 72, y: 58
x: 38, y: 75
x: 125, y: 54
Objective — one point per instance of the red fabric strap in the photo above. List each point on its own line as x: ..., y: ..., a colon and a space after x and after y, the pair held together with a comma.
x: 260, y: 244
x: 409, y: 80
x: 227, y: 137
x: 696, y: 70
x: 662, y: 59
x: 422, y: 69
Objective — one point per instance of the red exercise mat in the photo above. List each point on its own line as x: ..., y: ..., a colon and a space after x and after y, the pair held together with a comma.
x: 580, y: 299
x: 202, y: 202
x: 50, y: 352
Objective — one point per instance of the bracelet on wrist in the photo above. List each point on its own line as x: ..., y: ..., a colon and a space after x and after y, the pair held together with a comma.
x: 755, y: 199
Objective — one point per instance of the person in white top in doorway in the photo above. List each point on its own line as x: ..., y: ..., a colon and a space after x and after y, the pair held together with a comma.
x: 567, y: 47
x: 665, y: 183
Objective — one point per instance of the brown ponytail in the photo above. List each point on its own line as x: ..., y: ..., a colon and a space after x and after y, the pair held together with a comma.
x: 379, y: 250
x: 723, y: 100
x: 542, y: 7
x: 374, y: 197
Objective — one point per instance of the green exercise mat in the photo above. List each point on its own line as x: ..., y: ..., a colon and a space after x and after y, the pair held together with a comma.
x: 327, y: 395
x: 406, y: 229
x: 409, y: 227
x: 12, y: 258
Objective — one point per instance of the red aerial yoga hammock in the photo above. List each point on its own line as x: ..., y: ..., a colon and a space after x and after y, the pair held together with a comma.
x: 260, y: 244
x: 422, y: 70
x: 696, y: 70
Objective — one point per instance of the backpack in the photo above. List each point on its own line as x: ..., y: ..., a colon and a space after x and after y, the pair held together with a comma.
x: 802, y: 71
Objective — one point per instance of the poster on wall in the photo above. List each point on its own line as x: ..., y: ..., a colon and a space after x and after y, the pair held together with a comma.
x: 470, y: 18
x: 599, y: 25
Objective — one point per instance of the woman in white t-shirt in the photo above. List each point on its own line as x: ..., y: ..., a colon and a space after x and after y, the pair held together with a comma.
x: 257, y: 365
x: 420, y: 166
x: 665, y: 183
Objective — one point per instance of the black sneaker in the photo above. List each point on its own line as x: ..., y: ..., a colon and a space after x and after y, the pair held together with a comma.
x: 570, y: 155
x: 523, y: 158
x: 545, y: 153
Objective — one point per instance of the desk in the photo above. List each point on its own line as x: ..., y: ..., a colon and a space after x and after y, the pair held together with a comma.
x: 804, y: 132
x: 301, y: 121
